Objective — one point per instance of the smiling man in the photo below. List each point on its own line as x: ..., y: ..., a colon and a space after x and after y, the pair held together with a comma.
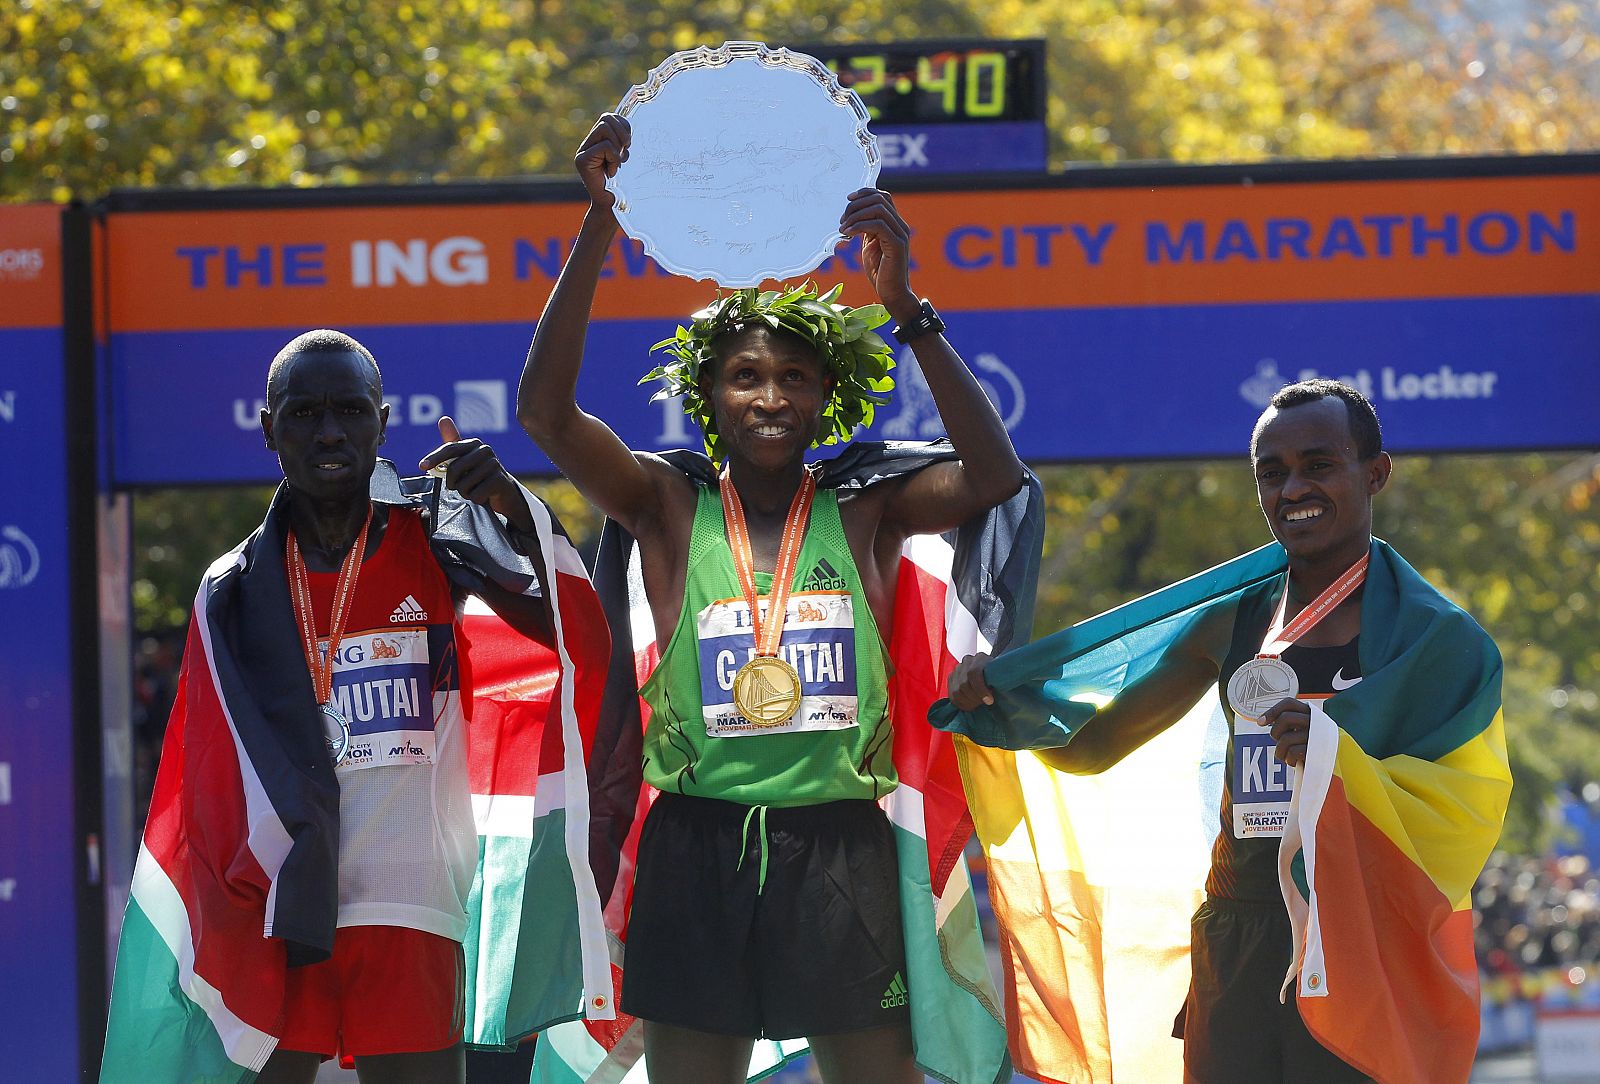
x: 766, y: 900
x: 311, y: 852
x: 1342, y: 673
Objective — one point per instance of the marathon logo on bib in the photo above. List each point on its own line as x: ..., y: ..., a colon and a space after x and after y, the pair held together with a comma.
x: 819, y: 641
x: 380, y: 685
x: 1262, y: 784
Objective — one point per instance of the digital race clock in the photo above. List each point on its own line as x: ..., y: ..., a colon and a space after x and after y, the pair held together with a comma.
x: 949, y: 105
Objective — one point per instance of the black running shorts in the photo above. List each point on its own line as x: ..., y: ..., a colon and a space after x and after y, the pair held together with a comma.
x: 1232, y: 1026
x: 769, y: 922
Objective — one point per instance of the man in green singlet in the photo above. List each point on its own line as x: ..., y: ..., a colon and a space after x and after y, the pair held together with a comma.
x: 765, y: 898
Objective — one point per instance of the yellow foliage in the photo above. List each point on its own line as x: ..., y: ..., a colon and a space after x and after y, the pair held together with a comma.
x: 1185, y: 80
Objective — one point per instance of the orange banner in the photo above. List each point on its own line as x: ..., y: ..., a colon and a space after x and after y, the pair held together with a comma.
x: 1054, y: 248
x: 30, y: 265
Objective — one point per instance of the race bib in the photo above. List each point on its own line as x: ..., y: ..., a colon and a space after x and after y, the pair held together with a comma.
x: 1262, y: 784
x: 819, y: 641
x: 381, y: 687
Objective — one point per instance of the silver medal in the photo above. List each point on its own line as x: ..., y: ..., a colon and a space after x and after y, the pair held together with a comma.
x: 1259, y: 684
x: 336, y: 732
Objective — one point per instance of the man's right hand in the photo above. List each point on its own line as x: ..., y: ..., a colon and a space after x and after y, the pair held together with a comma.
x: 603, y: 150
x: 967, y: 687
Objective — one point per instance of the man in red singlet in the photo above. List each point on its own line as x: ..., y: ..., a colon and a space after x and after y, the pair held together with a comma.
x: 364, y: 580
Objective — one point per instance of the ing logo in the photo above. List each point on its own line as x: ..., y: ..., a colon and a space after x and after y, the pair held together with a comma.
x: 809, y: 611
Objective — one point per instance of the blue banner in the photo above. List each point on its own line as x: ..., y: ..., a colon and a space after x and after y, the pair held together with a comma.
x: 909, y: 150
x: 38, y: 885
x: 1071, y: 384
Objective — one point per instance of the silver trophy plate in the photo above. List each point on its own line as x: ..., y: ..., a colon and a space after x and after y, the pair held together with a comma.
x: 741, y: 162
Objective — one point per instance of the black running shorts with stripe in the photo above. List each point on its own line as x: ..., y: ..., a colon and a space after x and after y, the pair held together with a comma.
x: 780, y: 923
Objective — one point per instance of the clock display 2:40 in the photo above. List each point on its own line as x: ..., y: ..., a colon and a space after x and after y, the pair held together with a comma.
x: 907, y: 86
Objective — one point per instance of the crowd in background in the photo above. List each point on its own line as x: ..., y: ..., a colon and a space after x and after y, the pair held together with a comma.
x: 1538, y: 925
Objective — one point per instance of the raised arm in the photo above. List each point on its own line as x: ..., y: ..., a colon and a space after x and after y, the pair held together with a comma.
x: 943, y: 496
x: 582, y: 446
x: 1140, y: 711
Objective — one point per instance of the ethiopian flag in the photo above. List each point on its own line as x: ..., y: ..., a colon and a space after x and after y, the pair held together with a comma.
x: 1402, y: 799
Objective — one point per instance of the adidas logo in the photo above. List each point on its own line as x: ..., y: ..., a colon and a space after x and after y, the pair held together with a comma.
x: 823, y: 577
x: 408, y: 611
x: 896, y: 995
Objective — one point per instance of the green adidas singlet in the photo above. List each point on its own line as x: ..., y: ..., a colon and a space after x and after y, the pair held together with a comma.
x: 838, y: 743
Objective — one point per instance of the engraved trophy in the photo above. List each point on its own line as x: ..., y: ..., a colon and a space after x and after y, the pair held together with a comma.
x: 741, y: 162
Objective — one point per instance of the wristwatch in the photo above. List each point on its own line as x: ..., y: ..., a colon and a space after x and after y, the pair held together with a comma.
x: 927, y: 321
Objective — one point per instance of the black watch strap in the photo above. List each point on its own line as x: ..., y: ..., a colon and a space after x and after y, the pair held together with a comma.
x: 927, y: 321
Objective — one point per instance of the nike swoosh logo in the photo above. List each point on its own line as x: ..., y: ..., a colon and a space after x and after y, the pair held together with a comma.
x: 1340, y: 683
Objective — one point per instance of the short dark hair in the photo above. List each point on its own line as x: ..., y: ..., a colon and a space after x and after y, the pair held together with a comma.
x: 320, y: 341
x: 1364, y: 427
x: 720, y: 343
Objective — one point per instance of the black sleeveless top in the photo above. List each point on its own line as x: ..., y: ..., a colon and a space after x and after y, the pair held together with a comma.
x: 1247, y: 869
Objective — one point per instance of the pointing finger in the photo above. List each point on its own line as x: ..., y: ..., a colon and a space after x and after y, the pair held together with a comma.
x: 447, y: 429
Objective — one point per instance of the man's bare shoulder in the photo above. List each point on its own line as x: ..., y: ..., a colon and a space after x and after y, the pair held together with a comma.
x: 862, y: 509
x: 1210, y: 635
x: 673, y: 482
x: 674, y: 491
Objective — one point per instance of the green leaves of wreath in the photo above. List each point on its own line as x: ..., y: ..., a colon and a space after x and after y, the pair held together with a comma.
x: 850, y: 351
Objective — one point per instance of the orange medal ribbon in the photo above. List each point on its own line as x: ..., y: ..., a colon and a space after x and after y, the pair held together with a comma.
x: 320, y: 653
x: 766, y: 690
x: 1280, y: 636
x: 1266, y: 679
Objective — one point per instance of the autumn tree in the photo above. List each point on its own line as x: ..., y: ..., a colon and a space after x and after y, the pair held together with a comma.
x: 96, y: 94
x: 101, y: 93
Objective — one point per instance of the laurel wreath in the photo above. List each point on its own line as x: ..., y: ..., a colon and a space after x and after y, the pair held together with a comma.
x: 850, y: 351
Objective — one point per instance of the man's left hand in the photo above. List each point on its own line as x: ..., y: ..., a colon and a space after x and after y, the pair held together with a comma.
x: 473, y: 470
x: 1290, y: 722
x: 885, y: 247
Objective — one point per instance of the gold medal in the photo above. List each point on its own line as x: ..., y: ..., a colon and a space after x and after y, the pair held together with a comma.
x: 766, y: 690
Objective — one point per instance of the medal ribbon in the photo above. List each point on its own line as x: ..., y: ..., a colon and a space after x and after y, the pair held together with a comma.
x: 769, y: 632
x: 1280, y: 636
x: 321, y: 653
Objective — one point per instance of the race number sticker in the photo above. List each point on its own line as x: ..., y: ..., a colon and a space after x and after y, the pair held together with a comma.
x: 1262, y: 784
x: 819, y: 641
x: 380, y: 685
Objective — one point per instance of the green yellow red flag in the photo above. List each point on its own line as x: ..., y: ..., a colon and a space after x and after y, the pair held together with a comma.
x: 1093, y: 879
